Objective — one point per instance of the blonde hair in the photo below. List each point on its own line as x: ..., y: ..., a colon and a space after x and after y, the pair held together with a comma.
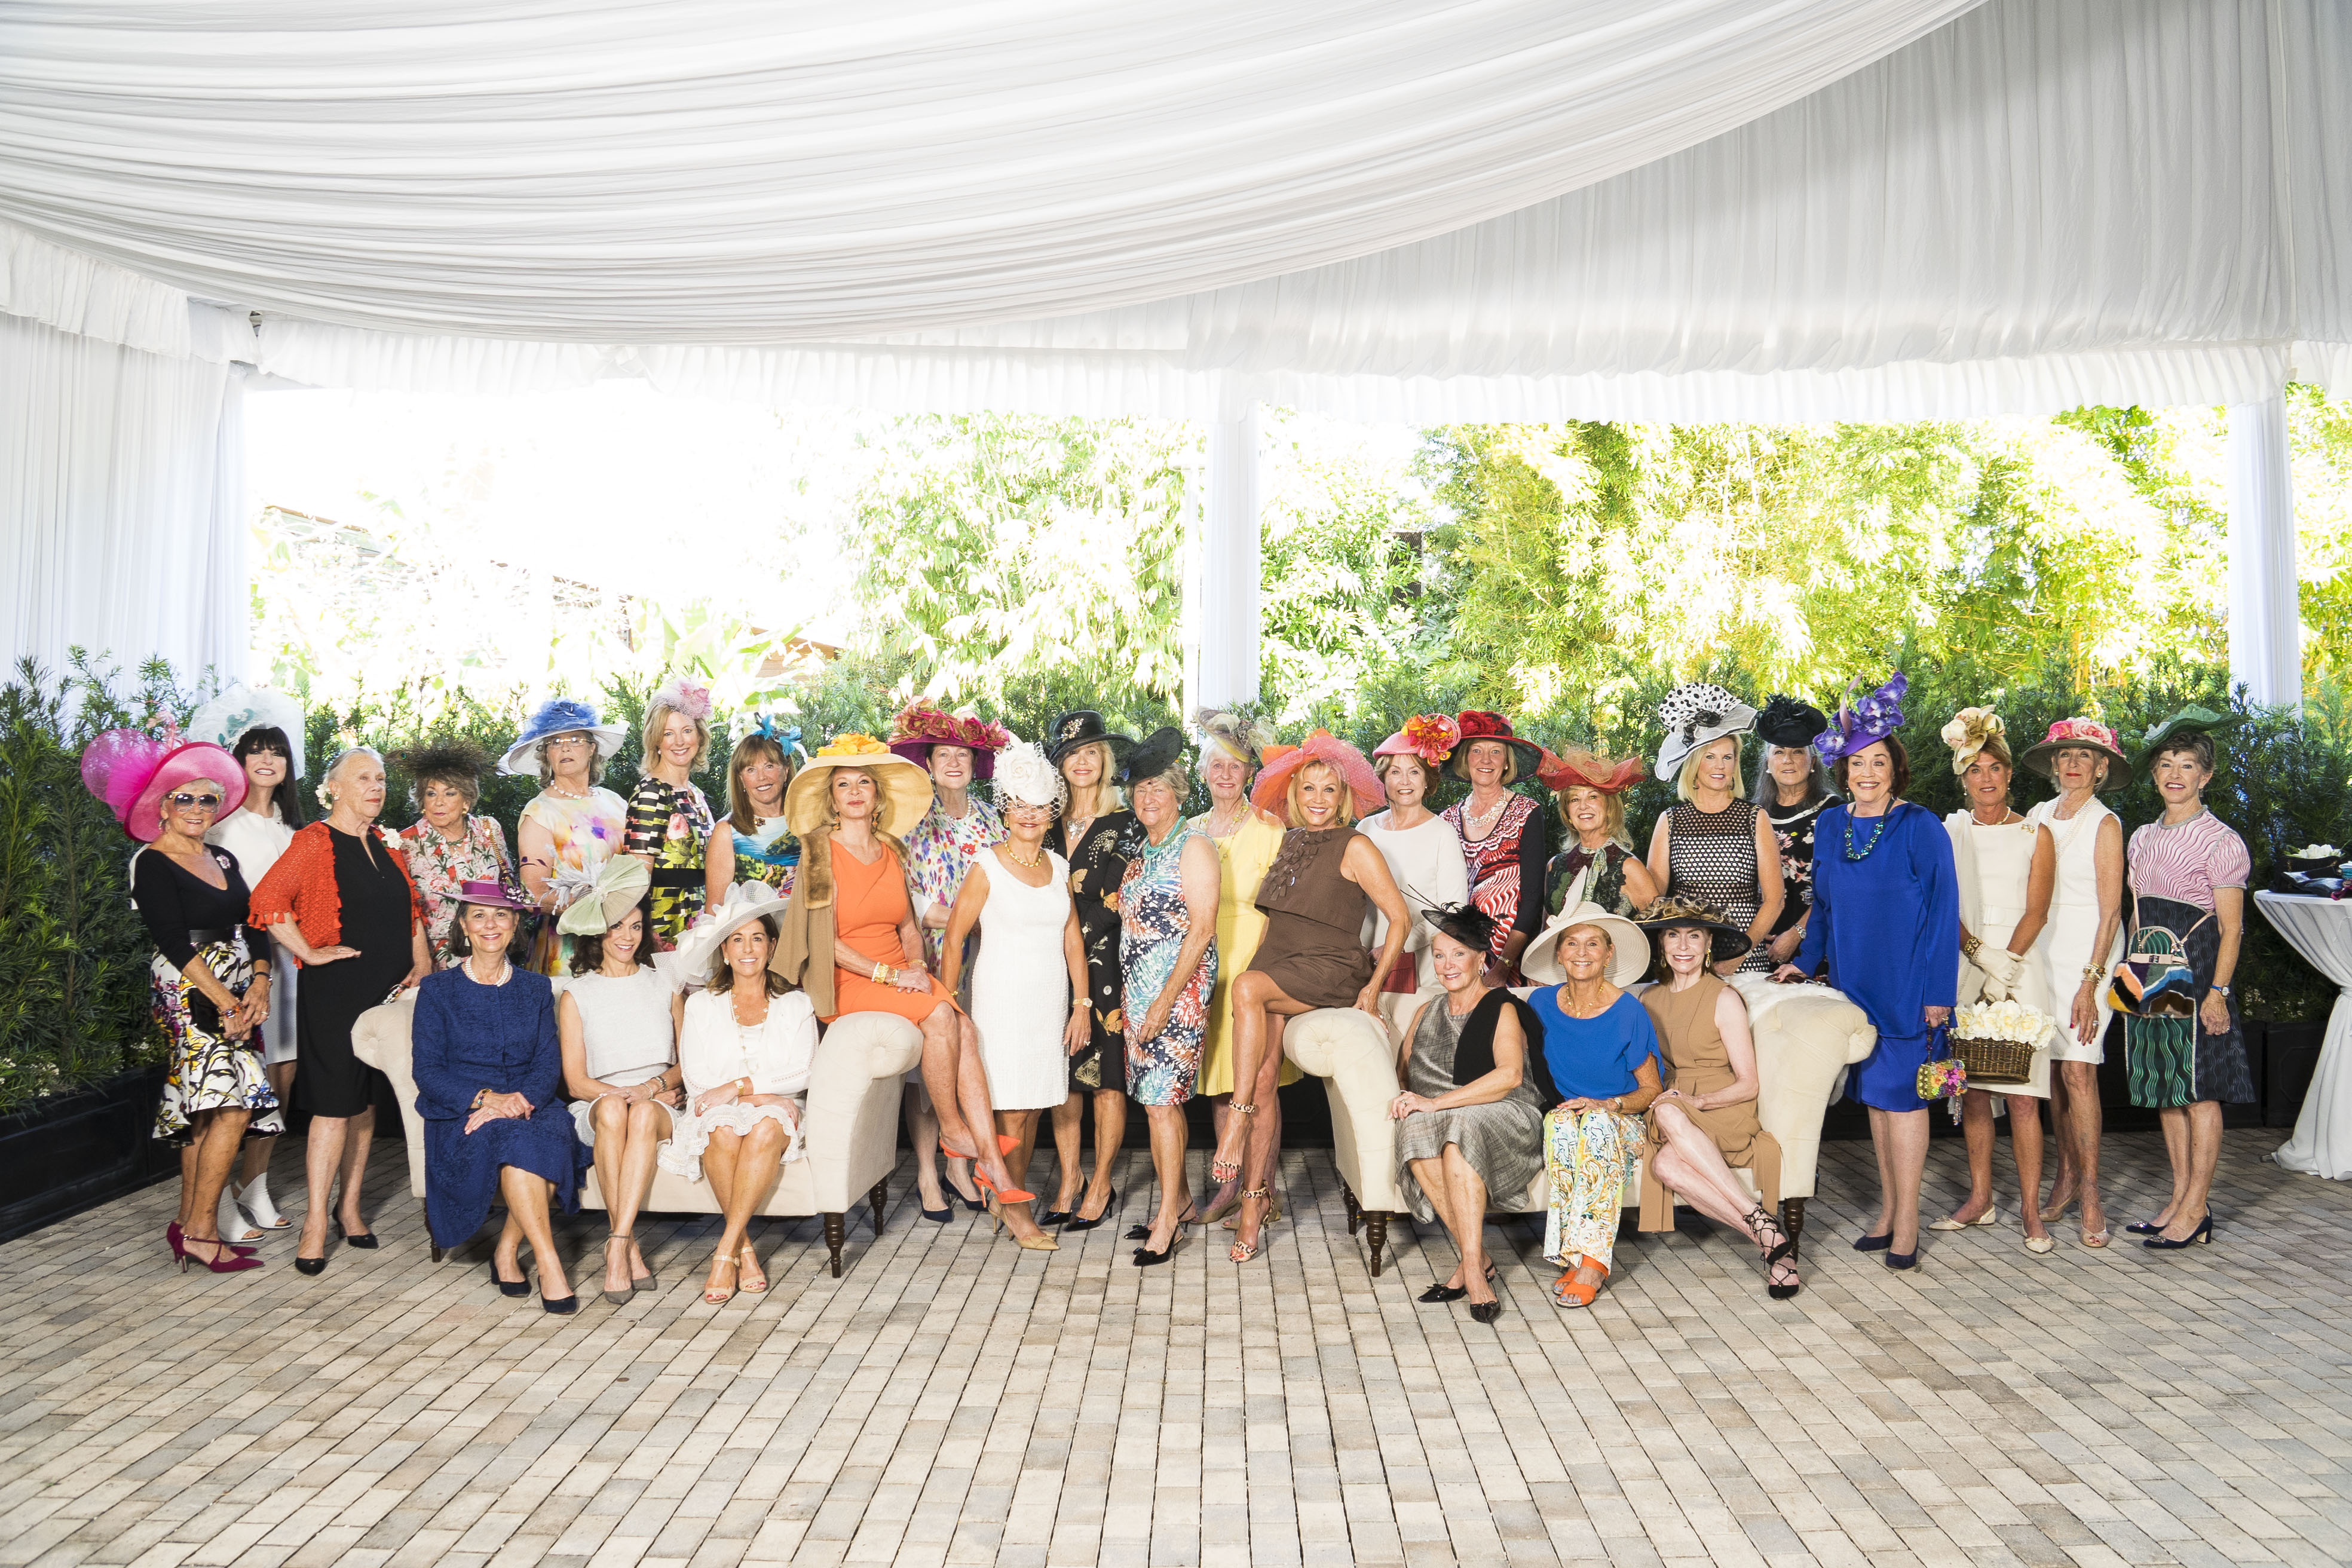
x: 1105, y: 791
x: 1612, y: 812
x: 1686, y: 781
x: 649, y: 736
x: 1344, y: 818
x: 882, y: 834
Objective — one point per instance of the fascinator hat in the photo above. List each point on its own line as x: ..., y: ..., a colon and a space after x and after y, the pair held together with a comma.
x: 919, y: 726
x: 699, y: 946
x: 2084, y: 735
x: 1468, y: 924
x: 2190, y: 721
x: 1475, y: 724
x: 1673, y: 911
x: 1973, y: 732
x: 1864, y: 721
x: 1272, y: 794
x: 225, y: 720
x: 558, y: 716
x: 1789, y: 721
x: 786, y: 737
x: 1152, y: 755
x: 620, y: 882
x: 1230, y: 734
x: 1432, y: 737
x: 131, y: 772
x: 1581, y: 769
x: 905, y: 789
x: 1696, y: 714
x: 681, y: 695
x: 1024, y: 777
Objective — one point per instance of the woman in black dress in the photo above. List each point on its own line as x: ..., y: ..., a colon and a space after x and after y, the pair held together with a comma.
x: 1098, y: 837
x: 1793, y: 789
x: 342, y: 902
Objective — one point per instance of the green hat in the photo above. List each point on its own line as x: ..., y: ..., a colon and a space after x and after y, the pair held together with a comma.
x: 2192, y: 719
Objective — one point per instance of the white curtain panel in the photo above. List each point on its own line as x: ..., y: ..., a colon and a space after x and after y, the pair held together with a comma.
x: 742, y: 171
x: 122, y: 487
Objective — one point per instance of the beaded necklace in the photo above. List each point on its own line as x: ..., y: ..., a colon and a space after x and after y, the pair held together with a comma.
x: 1875, y: 834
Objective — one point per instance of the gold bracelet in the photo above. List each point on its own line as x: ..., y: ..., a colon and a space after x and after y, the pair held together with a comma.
x: 1971, y: 946
x: 2092, y: 972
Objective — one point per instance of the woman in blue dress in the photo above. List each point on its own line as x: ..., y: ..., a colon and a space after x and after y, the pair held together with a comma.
x: 490, y: 1085
x: 1886, y: 919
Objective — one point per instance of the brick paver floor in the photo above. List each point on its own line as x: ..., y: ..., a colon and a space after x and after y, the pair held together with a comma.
x: 954, y: 1399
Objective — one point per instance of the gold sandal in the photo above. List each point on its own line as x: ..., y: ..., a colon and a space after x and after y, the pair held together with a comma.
x: 713, y: 1296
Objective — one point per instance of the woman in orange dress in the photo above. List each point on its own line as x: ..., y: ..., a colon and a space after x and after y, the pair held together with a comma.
x: 852, y: 943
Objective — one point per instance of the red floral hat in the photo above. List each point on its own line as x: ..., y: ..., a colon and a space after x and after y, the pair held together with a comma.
x: 1477, y: 724
x: 919, y: 726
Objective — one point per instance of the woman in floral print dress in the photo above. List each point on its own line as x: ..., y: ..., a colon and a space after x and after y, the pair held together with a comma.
x: 669, y: 818
x: 447, y: 846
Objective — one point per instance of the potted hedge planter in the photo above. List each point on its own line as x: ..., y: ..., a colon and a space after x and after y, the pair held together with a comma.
x: 78, y: 1150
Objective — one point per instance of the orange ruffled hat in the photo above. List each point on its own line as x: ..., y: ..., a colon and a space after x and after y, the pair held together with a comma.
x: 1272, y: 794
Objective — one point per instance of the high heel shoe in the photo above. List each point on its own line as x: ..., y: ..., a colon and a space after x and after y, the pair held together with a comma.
x: 1040, y: 1242
x: 562, y: 1309
x: 2204, y: 1233
x: 937, y: 1215
x: 363, y: 1239
x: 253, y: 1198
x: 1191, y: 1215
x: 313, y: 1266
x: 1487, y: 1311
x: 1110, y: 1207
x: 748, y: 1270
x: 1147, y: 1259
x: 990, y: 1191
x: 506, y: 1287
x: 618, y: 1298
x: 229, y: 1222
x: 1243, y: 1251
x: 225, y: 1259
x: 2144, y: 1227
x: 1450, y: 1292
x: 176, y: 1240
x: 713, y: 1296
x: 1874, y: 1243
x: 1902, y: 1259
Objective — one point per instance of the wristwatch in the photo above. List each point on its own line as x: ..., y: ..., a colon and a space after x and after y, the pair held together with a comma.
x: 2222, y: 992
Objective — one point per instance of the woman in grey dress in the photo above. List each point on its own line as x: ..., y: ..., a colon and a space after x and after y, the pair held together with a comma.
x: 1469, y: 1118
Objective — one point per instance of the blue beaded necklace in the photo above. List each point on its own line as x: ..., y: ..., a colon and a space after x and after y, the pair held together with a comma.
x: 1875, y: 834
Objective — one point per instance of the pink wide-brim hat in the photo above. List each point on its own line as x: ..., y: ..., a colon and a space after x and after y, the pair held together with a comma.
x: 182, y: 765
x: 1272, y: 792
x: 2090, y: 735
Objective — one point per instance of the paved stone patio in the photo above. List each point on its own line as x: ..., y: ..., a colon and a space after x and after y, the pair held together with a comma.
x: 953, y: 1401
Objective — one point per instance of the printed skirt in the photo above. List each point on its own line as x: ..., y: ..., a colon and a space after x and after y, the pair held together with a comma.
x: 2171, y: 1061
x: 206, y: 1070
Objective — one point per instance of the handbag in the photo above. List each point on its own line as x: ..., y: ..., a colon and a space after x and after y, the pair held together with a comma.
x: 2154, y: 979
x: 1941, y: 1078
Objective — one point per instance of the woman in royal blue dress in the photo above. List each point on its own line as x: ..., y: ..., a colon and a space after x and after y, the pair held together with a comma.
x: 1886, y: 918
x: 490, y: 1085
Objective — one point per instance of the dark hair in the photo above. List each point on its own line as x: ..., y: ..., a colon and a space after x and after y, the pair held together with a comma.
x: 286, y: 795
x: 722, y: 977
x: 462, y: 946
x: 1766, y: 793
x: 588, y: 952
x: 2196, y: 742
x: 751, y: 748
x: 1901, y: 789
x: 458, y: 763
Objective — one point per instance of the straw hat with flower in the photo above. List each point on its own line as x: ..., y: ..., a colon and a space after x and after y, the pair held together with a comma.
x: 906, y: 788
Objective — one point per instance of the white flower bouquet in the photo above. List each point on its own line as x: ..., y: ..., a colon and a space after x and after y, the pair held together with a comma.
x: 1997, y: 1040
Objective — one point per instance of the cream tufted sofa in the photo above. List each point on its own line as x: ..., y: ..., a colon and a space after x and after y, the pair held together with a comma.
x: 851, y: 1138
x: 1806, y: 1037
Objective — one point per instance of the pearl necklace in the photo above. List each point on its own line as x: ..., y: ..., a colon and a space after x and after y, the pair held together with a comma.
x: 1479, y: 823
x: 562, y: 793
x: 1025, y: 865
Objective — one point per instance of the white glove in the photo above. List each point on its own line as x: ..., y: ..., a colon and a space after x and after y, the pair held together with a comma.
x: 2002, y: 970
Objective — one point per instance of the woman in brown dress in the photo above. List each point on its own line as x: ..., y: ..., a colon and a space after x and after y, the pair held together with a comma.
x: 1315, y: 897
x: 1704, y: 1124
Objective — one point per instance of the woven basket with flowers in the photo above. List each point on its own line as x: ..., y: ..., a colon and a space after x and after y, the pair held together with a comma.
x: 1996, y: 1040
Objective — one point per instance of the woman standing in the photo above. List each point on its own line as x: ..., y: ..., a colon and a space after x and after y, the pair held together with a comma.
x: 2005, y: 865
x: 851, y: 942
x: 342, y: 898
x: 1424, y: 851
x: 208, y: 983
x: 447, y: 846
x: 2084, y: 938
x: 1098, y: 837
x: 572, y: 825
x: 1714, y: 847
x: 1886, y: 920
x: 1705, y: 1127
x: 755, y: 844
x: 262, y: 730
x: 1471, y: 1117
x: 620, y: 1053
x: 1316, y: 897
x: 1168, y: 902
x: 954, y: 749
x: 1599, y: 865
x: 1600, y: 1053
x: 1247, y: 841
x: 1503, y: 849
x: 1793, y: 785
x: 746, y: 1041
x: 490, y: 1077
x: 2186, y: 1058
x: 669, y: 820
x: 1032, y: 965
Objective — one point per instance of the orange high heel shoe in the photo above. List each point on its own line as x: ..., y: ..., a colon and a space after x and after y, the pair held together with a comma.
x: 1004, y: 1145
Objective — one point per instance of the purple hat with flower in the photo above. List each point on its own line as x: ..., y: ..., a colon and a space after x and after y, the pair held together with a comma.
x: 1865, y: 722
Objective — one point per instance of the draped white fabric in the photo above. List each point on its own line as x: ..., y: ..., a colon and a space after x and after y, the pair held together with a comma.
x: 729, y: 170
x: 122, y: 482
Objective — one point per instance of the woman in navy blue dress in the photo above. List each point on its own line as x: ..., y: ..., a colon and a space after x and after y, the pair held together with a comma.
x: 1887, y: 919
x: 490, y: 1085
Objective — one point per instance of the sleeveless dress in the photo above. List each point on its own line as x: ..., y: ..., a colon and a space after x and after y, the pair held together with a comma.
x: 1580, y: 875
x: 869, y: 906
x: 1502, y: 1141
x: 1993, y: 865
x: 584, y: 833
x: 1793, y: 826
x: 1506, y: 867
x: 713, y: 1049
x: 1020, y: 986
x: 626, y: 1034
x: 2074, y: 926
x: 671, y: 823
x: 1711, y: 855
x: 1314, y: 945
x: 769, y: 854
x: 1698, y: 1062
x: 1098, y: 865
x: 1243, y: 856
x: 1162, y: 1069
x: 1426, y: 862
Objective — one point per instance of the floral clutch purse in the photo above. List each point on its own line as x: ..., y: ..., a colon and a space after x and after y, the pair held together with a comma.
x: 1941, y: 1076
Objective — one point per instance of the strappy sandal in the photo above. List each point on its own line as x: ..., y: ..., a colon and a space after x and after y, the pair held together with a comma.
x: 749, y: 1271
x: 1273, y: 1215
x: 618, y: 1298
x: 1568, y: 1290
x: 1243, y: 1251
x: 1778, y: 1255
x: 1222, y: 1170
x: 713, y: 1296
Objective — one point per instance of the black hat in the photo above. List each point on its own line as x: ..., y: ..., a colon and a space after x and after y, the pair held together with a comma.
x: 1789, y: 721
x: 1468, y: 924
x: 1152, y: 755
x: 1080, y: 727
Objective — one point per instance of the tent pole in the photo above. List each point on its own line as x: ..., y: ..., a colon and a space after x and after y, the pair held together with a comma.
x: 2266, y: 616
x: 1228, y: 615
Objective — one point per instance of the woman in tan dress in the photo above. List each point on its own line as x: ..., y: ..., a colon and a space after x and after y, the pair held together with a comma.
x: 1704, y: 1124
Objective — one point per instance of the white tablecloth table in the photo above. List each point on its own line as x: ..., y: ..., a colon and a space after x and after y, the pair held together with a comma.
x: 2321, y: 930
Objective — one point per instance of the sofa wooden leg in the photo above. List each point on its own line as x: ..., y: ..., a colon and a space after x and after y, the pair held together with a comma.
x: 428, y: 1231
x: 1792, y: 1221
x: 880, y: 1197
x: 1376, y: 1233
x: 1355, y: 1214
x: 836, y: 1231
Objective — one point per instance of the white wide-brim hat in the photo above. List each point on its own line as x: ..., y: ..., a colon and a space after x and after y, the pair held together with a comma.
x: 1629, y: 948
x: 1696, y: 715
x: 225, y: 720
x: 698, y: 947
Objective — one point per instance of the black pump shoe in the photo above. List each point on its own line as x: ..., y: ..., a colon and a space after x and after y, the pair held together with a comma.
x: 364, y: 1240
x: 2204, y: 1233
x: 313, y: 1265
x: 508, y: 1287
x: 1110, y: 1207
x: 1487, y: 1311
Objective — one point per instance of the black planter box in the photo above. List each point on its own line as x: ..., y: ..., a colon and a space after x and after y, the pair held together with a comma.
x: 77, y: 1151
x: 2286, y: 1069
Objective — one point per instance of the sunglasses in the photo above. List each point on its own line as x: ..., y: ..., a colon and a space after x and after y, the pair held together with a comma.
x: 209, y: 802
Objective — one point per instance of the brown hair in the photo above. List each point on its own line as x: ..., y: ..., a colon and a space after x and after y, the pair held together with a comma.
x: 2196, y: 743
x: 462, y: 946
x: 1429, y: 774
x: 721, y: 977
x: 1901, y: 789
x: 754, y: 747
x: 588, y: 952
x: 1612, y: 812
